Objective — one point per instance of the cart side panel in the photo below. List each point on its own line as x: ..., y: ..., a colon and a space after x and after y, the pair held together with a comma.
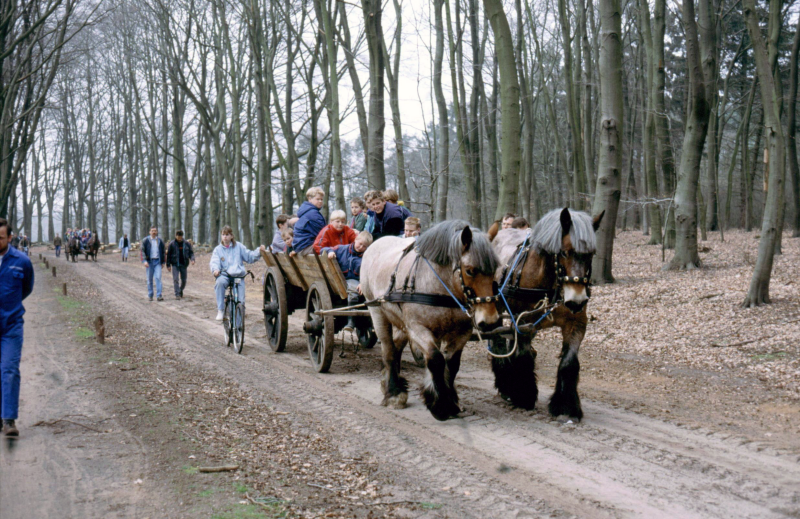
x: 293, y: 275
x: 334, y: 274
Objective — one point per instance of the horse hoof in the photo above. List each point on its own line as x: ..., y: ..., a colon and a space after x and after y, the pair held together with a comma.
x: 558, y: 409
x: 396, y: 401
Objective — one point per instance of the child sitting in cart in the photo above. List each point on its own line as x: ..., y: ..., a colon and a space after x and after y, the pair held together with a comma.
x: 287, y: 235
x: 349, y: 259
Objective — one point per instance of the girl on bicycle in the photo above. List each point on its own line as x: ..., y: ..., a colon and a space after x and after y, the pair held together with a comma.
x: 227, y: 262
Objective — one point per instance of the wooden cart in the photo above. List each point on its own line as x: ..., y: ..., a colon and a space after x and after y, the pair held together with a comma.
x: 316, y: 284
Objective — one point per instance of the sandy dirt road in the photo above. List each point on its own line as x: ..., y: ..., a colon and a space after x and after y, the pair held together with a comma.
x: 494, y: 461
x: 75, y: 458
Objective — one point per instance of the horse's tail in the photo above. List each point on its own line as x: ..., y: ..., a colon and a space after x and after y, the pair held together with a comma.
x: 493, y: 230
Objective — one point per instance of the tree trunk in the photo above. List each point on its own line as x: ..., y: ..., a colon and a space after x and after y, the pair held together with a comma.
x: 443, y: 168
x: 686, y: 255
x: 578, y: 173
x: 759, y: 284
x: 504, y: 47
x: 607, y: 194
x: 791, y: 125
x: 373, y: 14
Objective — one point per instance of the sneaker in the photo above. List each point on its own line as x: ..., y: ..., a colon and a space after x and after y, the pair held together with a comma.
x: 219, y: 315
x: 177, y: 298
x: 9, y: 429
x: 160, y: 298
x: 150, y: 298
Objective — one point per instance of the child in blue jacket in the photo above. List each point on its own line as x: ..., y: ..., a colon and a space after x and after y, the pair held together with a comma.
x: 310, y: 223
x: 349, y: 259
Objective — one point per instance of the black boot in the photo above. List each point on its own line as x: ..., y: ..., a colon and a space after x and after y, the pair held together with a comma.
x: 9, y: 429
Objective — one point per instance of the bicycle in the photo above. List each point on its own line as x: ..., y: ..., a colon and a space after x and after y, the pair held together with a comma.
x: 233, y: 316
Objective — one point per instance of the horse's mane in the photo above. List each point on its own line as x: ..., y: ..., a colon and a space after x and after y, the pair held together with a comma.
x: 547, y: 233
x: 442, y: 245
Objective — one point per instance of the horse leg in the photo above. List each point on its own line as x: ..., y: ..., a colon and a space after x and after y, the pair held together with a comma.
x: 515, y: 376
x: 453, y: 365
x: 394, y: 387
x: 436, y: 391
x: 565, y: 399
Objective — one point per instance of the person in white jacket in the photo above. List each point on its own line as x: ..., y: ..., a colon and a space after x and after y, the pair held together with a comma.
x: 228, y: 260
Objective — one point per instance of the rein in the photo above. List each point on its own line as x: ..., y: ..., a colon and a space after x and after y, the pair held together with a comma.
x: 538, y: 296
x: 408, y: 294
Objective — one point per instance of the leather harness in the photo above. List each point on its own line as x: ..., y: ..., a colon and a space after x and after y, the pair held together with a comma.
x: 512, y: 290
x: 408, y: 293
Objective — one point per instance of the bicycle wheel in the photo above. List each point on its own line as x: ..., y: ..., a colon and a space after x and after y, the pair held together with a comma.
x: 238, y: 328
x: 226, y: 321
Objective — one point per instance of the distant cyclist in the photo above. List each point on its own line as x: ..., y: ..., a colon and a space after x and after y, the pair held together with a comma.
x: 227, y: 262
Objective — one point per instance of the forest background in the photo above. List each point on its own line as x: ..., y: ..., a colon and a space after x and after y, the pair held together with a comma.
x: 676, y: 118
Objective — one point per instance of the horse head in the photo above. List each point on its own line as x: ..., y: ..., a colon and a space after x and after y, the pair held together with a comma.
x: 469, y: 256
x: 478, y: 263
x: 574, y: 260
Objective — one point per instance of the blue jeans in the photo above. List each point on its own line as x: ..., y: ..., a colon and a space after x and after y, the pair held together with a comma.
x: 10, y: 354
x: 58, y: 250
x: 221, y: 286
x: 125, y: 253
x: 153, y: 272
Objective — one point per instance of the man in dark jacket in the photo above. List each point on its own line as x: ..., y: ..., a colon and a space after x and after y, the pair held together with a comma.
x: 179, y: 254
x: 388, y: 218
x: 349, y: 259
x: 310, y: 223
x: 16, y: 283
x: 57, y: 245
x: 153, y: 256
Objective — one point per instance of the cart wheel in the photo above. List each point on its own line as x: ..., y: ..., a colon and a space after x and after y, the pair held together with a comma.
x: 276, y: 316
x: 367, y: 338
x: 419, y: 357
x: 319, y: 328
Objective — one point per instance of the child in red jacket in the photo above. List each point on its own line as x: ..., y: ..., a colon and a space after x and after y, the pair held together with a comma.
x: 335, y: 233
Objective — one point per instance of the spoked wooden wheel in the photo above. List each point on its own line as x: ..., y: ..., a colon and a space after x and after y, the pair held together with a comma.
x: 238, y: 328
x: 276, y: 316
x: 319, y: 328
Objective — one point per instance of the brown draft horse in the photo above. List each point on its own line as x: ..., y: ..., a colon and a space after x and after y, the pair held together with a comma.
x: 450, y: 262
x: 92, y: 246
x: 73, y: 249
x: 552, y: 259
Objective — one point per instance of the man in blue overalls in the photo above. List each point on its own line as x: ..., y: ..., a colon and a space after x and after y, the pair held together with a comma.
x: 16, y: 283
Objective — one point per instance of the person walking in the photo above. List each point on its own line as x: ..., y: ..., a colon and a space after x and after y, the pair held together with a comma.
x: 16, y: 283
x: 227, y: 261
x: 179, y: 254
x: 124, y: 247
x: 153, y: 256
x: 57, y: 244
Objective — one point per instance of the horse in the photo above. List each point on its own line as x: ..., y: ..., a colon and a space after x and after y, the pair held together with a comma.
x: 447, y: 277
x: 73, y: 249
x: 553, y: 260
x: 91, y: 248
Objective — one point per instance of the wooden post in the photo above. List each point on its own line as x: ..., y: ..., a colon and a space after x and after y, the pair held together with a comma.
x: 46, y: 264
x: 64, y: 288
x: 100, y: 330
x: 54, y: 272
x: 40, y: 255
